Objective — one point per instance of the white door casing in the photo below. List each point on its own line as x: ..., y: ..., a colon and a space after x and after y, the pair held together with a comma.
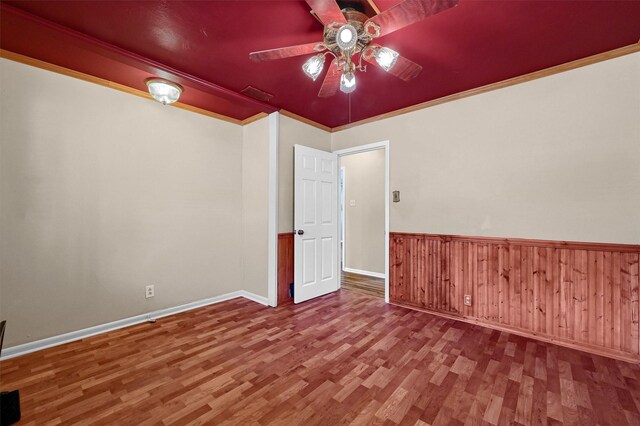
x: 315, y: 223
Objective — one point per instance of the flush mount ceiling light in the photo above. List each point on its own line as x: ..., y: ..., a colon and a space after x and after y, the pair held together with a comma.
x: 348, y: 37
x: 163, y: 91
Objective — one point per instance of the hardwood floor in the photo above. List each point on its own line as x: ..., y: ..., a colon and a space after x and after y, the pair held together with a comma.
x: 345, y: 358
x: 362, y: 284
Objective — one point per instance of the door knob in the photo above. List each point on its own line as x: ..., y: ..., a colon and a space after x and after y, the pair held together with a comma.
x: 300, y: 232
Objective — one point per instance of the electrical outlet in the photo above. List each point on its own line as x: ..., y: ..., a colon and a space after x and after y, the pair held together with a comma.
x: 467, y: 299
x: 149, y: 291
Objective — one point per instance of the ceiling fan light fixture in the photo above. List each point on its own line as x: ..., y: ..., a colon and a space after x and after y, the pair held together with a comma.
x: 348, y: 82
x: 346, y: 37
x: 313, y: 66
x: 386, y: 58
x: 163, y: 91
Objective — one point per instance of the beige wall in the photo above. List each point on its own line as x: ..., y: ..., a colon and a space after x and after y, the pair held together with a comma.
x: 555, y: 158
x: 364, y: 230
x: 102, y: 193
x: 293, y: 132
x: 255, y: 204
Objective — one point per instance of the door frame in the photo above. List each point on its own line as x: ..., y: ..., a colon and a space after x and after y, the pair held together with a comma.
x: 365, y: 148
x: 272, y: 227
x: 342, y: 195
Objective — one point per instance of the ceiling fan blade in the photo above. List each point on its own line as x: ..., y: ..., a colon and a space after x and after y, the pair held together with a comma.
x: 331, y: 81
x: 327, y: 11
x: 287, y: 52
x: 404, y: 14
x: 404, y: 68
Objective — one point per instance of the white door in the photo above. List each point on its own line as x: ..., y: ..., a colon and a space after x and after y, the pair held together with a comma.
x: 315, y: 223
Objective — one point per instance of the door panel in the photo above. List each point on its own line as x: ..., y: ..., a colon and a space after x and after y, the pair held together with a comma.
x: 316, y: 223
x: 309, y: 194
x: 309, y: 261
x: 327, y: 258
x: 326, y: 197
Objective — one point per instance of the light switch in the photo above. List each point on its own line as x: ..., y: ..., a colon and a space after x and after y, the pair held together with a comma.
x: 352, y: 203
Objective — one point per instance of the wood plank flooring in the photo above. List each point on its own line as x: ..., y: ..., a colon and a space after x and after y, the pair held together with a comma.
x: 345, y: 358
x: 362, y: 284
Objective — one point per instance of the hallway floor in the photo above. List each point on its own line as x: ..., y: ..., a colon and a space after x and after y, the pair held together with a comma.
x: 363, y: 284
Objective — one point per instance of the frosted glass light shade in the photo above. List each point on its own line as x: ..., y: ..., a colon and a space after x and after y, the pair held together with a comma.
x: 348, y: 82
x: 163, y: 91
x: 347, y: 37
x: 313, y: 66
x: 386, y: 58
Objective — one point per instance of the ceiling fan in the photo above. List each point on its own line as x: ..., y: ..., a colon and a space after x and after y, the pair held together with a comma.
x: 348, y: 37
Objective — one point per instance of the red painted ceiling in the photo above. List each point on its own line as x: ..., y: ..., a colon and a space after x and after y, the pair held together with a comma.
x: 205, y: 47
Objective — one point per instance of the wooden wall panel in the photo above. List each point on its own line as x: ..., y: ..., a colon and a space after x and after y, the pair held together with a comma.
x: 581, y: 295
x: 285, y: 266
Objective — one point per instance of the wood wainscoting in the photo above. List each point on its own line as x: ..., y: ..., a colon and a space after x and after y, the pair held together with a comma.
x: 581, y: 295
x: 285, y: 266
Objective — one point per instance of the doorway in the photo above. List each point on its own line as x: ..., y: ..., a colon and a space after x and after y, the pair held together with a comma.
x: 363, y: 219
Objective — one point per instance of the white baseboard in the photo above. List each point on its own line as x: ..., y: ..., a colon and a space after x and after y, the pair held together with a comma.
x: 61, y: 339
x: 254, y: 297
x: 361, y: 272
